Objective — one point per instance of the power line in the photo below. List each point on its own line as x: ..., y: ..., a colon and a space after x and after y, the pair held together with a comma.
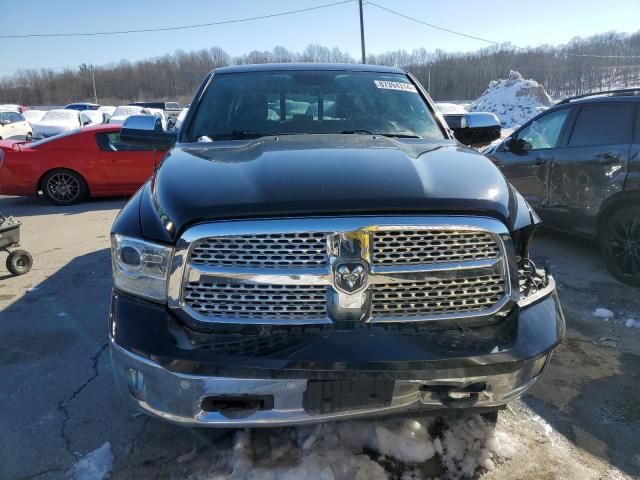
x: 181, y: 27
x: 473, y: 37
x: 407, y: 17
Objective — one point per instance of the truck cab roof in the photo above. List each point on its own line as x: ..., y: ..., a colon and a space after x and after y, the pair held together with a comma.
x: 309, y: 66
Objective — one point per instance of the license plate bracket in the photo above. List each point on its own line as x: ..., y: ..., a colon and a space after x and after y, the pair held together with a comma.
x: 330, y: 396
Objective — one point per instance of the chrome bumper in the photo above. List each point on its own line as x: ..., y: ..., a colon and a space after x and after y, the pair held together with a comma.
x: 178, y: 397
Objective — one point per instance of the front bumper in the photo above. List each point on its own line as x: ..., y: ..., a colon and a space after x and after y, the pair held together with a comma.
x: 162, y: 376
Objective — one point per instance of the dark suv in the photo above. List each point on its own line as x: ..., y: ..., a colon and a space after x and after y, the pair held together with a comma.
x: 316, y: 245
x: 578, y: 165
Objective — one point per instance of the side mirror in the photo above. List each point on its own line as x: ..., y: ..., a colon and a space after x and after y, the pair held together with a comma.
x: 474, y: 128
x: 146, y: 131
x: 516, y: 145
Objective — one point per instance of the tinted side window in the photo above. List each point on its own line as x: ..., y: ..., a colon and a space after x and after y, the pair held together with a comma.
x: 636, y: 137
x: 110, y: 142
x: 606, y: 124
x: 15, y: 117
x: 545, y: 131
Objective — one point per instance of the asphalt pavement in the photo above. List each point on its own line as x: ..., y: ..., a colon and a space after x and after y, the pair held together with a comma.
x: 59, y: 405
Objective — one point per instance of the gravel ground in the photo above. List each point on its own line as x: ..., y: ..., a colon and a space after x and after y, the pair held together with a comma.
x: 61, y: 416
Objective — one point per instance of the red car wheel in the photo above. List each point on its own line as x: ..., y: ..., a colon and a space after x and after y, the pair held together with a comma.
x: 64, y: 187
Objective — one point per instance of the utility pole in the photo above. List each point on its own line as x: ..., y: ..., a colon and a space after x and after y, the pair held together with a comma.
x: 93, y: 79
x: 364, y: 56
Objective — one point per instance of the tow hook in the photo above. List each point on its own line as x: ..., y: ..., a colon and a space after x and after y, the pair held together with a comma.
x: 453, y: 396
x: 237, y: 406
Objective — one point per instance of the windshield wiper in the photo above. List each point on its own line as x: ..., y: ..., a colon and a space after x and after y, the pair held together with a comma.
x: 357, y: 132
x: 367, y: 132
x: 398, y: 135
x: 238, y: 135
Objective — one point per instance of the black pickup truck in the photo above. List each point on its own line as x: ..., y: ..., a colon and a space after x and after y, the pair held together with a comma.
x: 316, y: 245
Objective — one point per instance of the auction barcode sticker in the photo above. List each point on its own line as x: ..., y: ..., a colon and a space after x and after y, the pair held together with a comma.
x: 537, y: 128
x: 405, y: 87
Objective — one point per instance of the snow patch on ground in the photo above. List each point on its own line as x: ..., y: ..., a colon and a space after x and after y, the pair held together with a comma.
x: 631, y: 323
x: 603, y: 313
x: 410, y: 449
x: 95, y: 465
x: 514, y: 100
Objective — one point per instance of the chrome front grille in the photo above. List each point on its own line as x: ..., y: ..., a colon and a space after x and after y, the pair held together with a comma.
x: 263, y: 250
x: 436, y: 297
x: 417, y: 247
x: 228, y: 300
x: 285, y: 271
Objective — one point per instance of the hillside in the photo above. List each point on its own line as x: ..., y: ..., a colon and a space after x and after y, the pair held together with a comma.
x: 608, y: 60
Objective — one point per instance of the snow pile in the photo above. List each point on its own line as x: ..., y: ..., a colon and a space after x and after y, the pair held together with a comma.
x: 374, y: 450
x: 514, y: 100
x: 447, y: 108
x: 603, y: 313
x: 95, y: 465
x: 631, y: 323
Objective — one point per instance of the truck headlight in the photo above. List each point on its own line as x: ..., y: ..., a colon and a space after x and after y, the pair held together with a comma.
x: 140, y: 267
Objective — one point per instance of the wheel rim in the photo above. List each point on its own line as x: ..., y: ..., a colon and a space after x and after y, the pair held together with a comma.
x: 22, y: 263
x: 63, y: 187
x: 623, y: 244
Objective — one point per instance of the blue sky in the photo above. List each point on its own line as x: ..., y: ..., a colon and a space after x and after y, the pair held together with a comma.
x: 522, y: 23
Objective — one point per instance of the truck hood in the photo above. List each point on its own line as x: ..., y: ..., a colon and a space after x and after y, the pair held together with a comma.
x: 321, y: 175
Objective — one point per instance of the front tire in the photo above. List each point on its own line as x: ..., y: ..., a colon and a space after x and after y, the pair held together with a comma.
x: 64, y: 187
x: 620, y: 244
x: 19, y: 262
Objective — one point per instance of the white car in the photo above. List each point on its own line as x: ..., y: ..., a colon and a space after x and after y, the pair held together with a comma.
x: 159, y: 113
x: 14, y: 107
x: 33, y: 116
x: 13, y: 126
x: 121, y: 113
x: 107, y: 109
x: 97, y: 117
x: 59, y: 121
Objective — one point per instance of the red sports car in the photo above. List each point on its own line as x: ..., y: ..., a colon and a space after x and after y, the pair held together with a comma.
x: 69, y: 167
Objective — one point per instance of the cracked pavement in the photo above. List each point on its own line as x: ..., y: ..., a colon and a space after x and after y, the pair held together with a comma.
x: 59, y: 401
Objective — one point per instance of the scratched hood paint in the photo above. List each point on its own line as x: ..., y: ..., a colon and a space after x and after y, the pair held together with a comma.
x: 324, y: 175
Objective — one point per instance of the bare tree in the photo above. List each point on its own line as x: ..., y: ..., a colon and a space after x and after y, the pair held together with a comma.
x: 582, y: 65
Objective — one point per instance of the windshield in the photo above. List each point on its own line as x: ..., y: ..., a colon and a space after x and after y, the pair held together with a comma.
x: 126, y: 111
x: 53, y: 138
x: 253, y: 104
x: 60, y: 116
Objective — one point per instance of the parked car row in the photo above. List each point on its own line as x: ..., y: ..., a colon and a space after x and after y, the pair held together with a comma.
x: 23, y: 123
x: 39, y: 124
